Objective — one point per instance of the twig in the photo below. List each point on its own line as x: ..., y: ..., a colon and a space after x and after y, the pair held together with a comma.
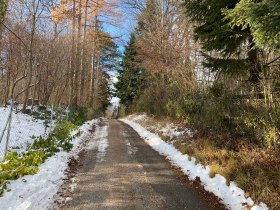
x: 16, y: 36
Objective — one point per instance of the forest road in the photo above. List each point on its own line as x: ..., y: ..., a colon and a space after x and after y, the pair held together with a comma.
x: 123, y: 172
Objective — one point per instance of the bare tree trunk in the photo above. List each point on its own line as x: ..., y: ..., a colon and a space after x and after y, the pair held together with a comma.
x: 83, y: 57
x: 7, y: 86
x: 30, y: 60
x: 78, y: 57
x: 93, y: 63
x: 72, y: 67
x: 34, y: 91
x: 255, y: 67
x: 96, y: 84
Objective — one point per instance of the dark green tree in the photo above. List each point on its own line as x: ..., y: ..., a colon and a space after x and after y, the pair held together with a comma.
x: 233, y: 48
x: 109, y: 61
x: 3, y: 10
x: 262, y: 17
x: 131, y: 76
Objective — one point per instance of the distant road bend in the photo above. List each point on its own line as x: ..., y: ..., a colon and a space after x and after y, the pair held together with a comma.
x: 122, y: 172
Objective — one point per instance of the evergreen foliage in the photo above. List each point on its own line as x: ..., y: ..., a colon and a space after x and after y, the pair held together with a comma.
x: 131, y: 77
x: 3, y: 10
x: 230, y: 44
x: 109, y: 61
x: 212, y: 30
x: 262, y: 17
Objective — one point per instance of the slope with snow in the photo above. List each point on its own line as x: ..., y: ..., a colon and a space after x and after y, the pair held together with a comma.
x: 23, y: 127
x: 38, y: 191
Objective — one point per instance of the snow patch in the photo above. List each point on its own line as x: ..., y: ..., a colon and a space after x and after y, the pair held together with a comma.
x: 130, y: 149
x: 38, y: 191
x: 232, y: 196
x: 23, y: 127
x: 172, y: 131
x: 141, y: 117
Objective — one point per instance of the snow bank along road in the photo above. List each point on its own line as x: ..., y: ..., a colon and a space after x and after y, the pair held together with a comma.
x: 120, y: 171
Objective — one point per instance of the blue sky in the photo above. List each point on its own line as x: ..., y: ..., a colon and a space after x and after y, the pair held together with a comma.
x: 118, y: 32
x: 123, y: 30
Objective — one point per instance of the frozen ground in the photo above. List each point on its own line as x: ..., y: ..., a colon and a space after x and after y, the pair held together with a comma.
x: 38, y: 191
x: 232, y: 196
x: 22, y: 128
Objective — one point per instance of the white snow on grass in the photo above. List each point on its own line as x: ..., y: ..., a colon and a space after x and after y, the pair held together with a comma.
x: 169, y: 130
x: 172, y: 131
x: 34, y: 192
x: 232, y: 196
x: 23, y: 127
x: 136, y: 118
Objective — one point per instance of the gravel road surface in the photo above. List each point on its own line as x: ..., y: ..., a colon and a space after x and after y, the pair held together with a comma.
x: 121, y: 171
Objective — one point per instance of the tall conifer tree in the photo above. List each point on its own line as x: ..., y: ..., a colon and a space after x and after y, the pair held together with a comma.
x: 131, y: 77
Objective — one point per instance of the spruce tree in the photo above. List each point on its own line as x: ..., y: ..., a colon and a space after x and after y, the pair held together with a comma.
x: 234, y: 48
x: 131, y: 77
x: 263, y: 18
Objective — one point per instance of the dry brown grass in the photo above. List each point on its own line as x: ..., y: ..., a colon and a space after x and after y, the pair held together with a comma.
x: 255, y: 170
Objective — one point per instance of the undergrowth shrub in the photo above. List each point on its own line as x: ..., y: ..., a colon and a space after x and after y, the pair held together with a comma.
x: 41, y: 115
x: 48, y: 146
x: 176, y: 109
x: 149, y: 102
x: 218, y: 110
x: 255, y: 170
x: 17, y: 165
x: 79, y: 115
x: 63, y: 130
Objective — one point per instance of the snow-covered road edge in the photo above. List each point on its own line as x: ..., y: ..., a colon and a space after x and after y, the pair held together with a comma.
x: 232, y: 196
x: 38, y: 191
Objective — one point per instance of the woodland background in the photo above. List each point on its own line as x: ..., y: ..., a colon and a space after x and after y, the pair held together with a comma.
x: 56, y: 52
x: 212, y: 65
